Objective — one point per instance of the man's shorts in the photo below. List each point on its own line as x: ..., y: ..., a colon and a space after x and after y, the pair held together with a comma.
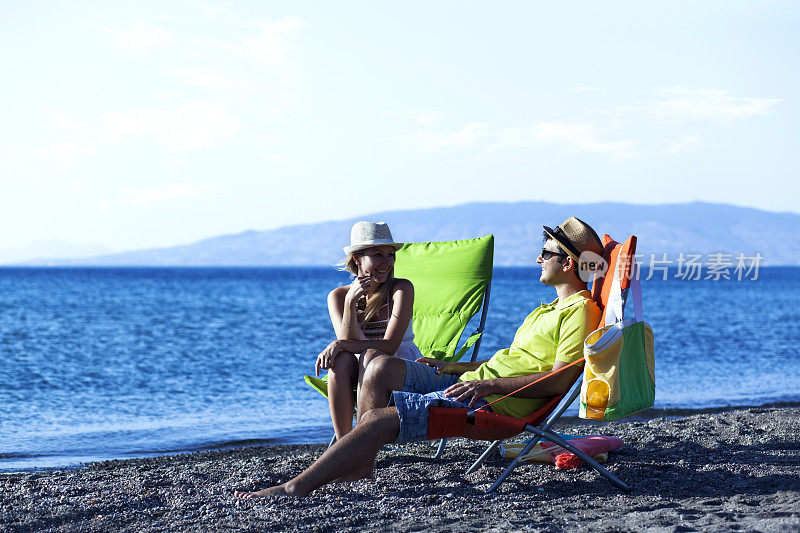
x: 422, y: 389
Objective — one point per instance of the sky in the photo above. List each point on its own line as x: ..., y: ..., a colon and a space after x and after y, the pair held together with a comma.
x: 128, y: 125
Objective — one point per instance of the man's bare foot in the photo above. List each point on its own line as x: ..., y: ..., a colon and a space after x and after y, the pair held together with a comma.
x: 278, y: 490
x: 368, y: 473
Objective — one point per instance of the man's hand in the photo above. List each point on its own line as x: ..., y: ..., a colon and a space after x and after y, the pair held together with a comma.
x: 470, y: 390
x: 435, y: 363
x: 326, y: 357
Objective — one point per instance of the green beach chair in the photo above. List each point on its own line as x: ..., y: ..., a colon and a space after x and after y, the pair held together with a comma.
x: 452, y: 282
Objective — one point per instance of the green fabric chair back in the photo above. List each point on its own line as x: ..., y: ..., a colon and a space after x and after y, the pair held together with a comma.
x: 450, y: 280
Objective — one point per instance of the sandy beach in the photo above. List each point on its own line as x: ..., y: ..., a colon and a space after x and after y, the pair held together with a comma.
x: 736, y: 469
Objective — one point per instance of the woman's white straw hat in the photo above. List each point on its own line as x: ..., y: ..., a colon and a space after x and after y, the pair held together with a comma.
x: 365, y: 235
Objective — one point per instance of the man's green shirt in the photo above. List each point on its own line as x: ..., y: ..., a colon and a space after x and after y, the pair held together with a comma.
x: 552, y: 332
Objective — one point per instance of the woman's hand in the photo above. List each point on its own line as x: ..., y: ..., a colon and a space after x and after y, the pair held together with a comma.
x: 470, y: 390
x: 327, y: 356
x: 435, y: 363
x: 358, y: 288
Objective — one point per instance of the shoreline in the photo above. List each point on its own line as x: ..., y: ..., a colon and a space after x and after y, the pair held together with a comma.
x: 734, y: 468
x: 647, y: 414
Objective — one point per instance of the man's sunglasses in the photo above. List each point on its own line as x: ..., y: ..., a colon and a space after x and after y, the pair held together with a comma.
x: 547, y: 254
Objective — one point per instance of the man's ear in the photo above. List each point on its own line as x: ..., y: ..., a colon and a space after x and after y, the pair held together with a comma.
x: 568, y: 262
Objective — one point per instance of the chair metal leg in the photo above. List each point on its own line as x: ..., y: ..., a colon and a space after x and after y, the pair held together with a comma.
x: 479, y: 461
x: 528, y: 447
x: 554, y: 416
x: 554, y: 437
x: 440, y: 450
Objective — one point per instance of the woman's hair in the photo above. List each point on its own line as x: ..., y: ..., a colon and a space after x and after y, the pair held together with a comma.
x: 374, y: 302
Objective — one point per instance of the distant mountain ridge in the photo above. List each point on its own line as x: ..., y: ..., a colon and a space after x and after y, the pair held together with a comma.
x: 51, y: 249
x: 671, y: 229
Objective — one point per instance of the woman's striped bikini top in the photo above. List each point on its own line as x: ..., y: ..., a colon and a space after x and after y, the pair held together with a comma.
x: 376, y: 327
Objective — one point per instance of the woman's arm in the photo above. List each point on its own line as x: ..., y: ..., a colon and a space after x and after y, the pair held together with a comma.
x: 342, y: 310
x: 402, y: 307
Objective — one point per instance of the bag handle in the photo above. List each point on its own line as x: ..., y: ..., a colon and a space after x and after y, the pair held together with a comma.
x: 636, y: 288
x: 617, y: 298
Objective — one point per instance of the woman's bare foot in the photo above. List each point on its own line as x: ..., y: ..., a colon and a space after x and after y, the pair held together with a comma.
x: 278, y: 490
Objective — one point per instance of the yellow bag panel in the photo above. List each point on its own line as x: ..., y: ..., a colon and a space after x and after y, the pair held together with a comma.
x: 601, y: 380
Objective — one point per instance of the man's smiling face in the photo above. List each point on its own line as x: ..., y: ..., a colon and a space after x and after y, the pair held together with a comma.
x: 552, y: 261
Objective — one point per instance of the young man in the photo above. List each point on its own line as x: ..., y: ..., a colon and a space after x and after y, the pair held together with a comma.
x: 550, y: 338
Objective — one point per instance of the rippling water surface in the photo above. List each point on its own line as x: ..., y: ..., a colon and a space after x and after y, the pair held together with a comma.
x: 113, y: 363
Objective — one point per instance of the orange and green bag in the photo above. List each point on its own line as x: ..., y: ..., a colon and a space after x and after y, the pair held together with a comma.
x: 619, y: 375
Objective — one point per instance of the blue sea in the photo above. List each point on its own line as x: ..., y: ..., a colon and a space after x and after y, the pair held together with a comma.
x: 102, y: 363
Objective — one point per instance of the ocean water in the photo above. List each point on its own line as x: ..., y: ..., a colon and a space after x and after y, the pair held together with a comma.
x: 116, y: 363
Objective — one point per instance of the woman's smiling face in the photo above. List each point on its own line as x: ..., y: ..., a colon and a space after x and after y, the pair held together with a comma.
x: 376, y: 262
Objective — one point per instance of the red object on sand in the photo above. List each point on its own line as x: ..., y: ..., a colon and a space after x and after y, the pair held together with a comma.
x: 591, y: 445
x: 568, y: 461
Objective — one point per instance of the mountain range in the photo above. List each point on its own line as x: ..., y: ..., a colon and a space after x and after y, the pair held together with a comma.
x: 672, y: 229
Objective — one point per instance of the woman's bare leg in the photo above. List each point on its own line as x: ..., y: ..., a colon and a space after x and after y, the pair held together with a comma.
x: 351, y: 457
x: 341, y: 380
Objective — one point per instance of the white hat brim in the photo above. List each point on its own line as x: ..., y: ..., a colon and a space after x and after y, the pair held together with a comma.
x: 363, y: 246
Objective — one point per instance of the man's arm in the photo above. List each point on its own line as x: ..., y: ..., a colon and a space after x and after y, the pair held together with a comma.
x: 554, y: 383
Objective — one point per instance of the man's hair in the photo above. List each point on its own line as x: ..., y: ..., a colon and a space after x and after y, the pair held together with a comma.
x: 564, y: 255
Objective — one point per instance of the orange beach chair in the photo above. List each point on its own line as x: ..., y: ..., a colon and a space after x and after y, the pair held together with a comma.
x: 445, y: 422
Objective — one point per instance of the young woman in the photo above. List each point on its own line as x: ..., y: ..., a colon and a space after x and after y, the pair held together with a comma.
x: 371, y: 317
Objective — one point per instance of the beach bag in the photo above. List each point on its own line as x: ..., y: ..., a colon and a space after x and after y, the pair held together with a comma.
x: 619, y: 375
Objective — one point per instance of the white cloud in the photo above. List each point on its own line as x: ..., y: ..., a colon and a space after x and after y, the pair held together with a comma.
x: 139, y: 38
x: 74, y: 141
x: 675, y: 105
x: 205, y: 86
x: 220, y: 81
x: 577, y: 137
x: 482, y: 138
x: 647, y: 128
x: 160, y: 195
x: 268, y: 48
x: 600, y: 90
x: 683, y: 144
x: 420, y: 116
x: 69, y: 150
x: 265, y: 145
x: 187, y: 126
x: 219, y: 13
x: 428, y: 141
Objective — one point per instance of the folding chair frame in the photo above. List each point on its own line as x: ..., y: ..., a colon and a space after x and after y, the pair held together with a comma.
x: 475, y: 348
x: 544, y: 432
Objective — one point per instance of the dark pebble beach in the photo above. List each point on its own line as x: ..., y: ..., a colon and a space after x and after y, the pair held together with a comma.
x: 723, y: 470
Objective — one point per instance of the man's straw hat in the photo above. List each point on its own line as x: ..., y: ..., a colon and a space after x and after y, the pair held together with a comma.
x: 576, y: 236
x: 368, y: 234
